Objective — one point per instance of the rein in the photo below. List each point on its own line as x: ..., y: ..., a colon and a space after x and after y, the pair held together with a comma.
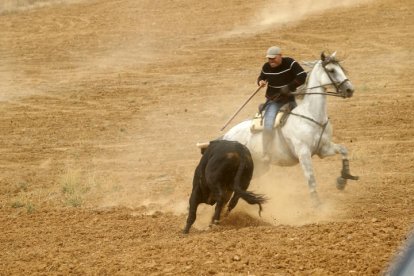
x: 328, y: 93
x: 334, y: 94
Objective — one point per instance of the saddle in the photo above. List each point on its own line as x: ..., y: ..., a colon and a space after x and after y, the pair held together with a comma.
x: 281, y: 117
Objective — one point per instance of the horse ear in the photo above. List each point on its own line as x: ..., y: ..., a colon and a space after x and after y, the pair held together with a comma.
x: 333, y: 55
x: 323, y: 56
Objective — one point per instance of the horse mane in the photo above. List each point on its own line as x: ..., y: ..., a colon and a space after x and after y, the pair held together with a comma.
x: 309, y: 64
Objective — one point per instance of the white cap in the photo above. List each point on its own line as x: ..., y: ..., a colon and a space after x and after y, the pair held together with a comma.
x: 273, y: 51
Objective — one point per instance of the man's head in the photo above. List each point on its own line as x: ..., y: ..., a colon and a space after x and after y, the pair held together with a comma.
x: 274, y: 56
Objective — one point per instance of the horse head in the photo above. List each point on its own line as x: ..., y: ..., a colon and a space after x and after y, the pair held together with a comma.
x: 335, y: 75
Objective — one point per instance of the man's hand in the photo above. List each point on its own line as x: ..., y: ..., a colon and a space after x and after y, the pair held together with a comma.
x: 262, y: 83
x: 284, y: 90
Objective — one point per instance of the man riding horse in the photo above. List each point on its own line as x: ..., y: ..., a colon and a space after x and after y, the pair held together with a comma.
x: 282, y: 75
x: 307, y: 131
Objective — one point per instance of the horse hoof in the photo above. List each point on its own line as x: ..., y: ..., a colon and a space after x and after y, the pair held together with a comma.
x: 316, y: 202
x: 340, y: 183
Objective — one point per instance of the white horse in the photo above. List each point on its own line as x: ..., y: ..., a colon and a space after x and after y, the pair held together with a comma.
x: 307, y: 130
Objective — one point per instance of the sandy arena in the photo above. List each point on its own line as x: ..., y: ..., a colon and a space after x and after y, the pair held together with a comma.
x: 102, y: 103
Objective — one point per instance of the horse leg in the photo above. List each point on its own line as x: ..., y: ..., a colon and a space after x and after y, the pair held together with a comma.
x: 345, y: 172
x: 305, y: 160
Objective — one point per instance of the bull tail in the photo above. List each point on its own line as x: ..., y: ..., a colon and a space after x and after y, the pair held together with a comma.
x: 240, y: 188
x: 252, y: 198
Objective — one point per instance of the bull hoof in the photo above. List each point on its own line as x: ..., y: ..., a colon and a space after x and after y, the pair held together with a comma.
x: 213, y: 227
x: 340, y: 183
x: 214, y: 224
x: 186, y: 229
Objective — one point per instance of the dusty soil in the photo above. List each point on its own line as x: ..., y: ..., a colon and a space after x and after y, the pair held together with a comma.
x: 102, y: 103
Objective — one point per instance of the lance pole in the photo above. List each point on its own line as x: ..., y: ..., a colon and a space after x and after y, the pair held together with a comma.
x: 240, y: 108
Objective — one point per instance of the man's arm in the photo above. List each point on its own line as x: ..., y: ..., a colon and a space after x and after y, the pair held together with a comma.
x: 300, y: 76
x: 262, y: 80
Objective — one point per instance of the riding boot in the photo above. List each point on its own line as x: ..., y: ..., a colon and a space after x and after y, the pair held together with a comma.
x: 267, y: 144
x: 292, y: 105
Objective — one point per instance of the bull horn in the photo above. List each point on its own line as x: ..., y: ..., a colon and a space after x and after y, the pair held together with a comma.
x: 203, y: 145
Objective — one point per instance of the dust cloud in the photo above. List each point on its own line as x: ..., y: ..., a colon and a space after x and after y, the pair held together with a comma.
x: 289, y: 202
x: 277, y: 13
x: 11, y: 6
x: 14, y: 83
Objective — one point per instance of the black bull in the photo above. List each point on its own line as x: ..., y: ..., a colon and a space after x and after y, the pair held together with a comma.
x: 224, y: 168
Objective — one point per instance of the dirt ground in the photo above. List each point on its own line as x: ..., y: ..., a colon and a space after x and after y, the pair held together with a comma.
x: 102, y: 103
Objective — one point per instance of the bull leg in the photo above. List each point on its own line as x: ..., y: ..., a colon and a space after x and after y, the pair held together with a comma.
x: 345, y: 172
x: 305, y: 160
x: 192, y: 214
x: 221, y: 201
x: 217, y: 212
x: 227, y: 198
x: 233, y: 202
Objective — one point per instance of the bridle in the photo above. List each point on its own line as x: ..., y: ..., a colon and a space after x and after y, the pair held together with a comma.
x: 337, y: 93
x: 333, y: 82
x: 336, y: 84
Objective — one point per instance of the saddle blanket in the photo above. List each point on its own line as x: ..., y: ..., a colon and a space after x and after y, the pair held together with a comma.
x: 258, y: 120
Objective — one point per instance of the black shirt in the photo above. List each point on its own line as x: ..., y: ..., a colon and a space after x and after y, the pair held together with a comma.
x: 289, y: 72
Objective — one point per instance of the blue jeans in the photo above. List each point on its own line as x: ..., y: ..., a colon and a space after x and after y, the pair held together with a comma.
x: 271, y: 110
x: 270, y: 114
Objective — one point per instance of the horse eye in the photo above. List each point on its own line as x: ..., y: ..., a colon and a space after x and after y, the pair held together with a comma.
x: 331, y: 70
